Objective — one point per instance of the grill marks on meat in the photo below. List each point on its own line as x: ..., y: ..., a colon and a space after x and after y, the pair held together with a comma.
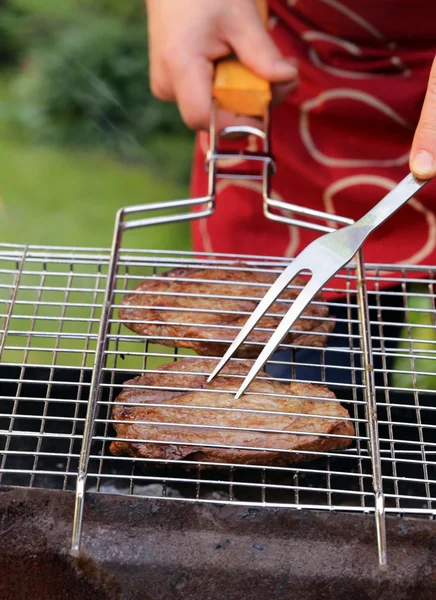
x: 211, y: 441
x: 212, y: 290
x: 201, y: 308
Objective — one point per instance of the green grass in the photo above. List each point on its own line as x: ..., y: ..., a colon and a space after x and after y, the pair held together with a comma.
x: 57, y: 196
x: 60, y: 197
x: 420, y: 326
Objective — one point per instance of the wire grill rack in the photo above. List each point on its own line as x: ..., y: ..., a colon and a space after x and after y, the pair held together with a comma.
x: 50, y: 308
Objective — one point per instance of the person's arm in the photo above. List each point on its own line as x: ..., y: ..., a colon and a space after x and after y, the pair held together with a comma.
x: 423, y: 153
x: 187, y: 36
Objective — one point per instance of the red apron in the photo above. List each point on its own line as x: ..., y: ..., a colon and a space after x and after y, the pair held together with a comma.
x: 342, y: 139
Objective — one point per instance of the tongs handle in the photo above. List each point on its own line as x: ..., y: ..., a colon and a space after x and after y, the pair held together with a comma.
x: 236, y: 88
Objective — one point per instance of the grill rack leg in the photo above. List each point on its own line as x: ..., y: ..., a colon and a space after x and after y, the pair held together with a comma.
x: 95, y: 388
x: 371, y: 410
x: 122, y: 224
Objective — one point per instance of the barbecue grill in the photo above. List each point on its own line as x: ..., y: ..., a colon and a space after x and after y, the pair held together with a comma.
x: 65, y: 355
x: 52, y: 302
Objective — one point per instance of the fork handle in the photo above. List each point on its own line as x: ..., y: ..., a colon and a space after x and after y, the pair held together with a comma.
x: 394, y: 200
x: 236, y: 88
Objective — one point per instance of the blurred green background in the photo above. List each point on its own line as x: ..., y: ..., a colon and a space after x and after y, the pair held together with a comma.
x: 80, y: 133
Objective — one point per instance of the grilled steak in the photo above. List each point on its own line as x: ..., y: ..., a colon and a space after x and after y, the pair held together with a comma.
x: 233, y: 435
x: 204, y: 308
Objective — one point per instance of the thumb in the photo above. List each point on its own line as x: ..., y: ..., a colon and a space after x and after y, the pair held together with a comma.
x: 423, y: 153
x: 255, y: 48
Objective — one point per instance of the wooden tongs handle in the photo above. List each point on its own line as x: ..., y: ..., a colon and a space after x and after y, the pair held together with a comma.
x: 236, y: 88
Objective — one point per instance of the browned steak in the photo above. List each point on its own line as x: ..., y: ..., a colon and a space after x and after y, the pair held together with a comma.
x: 189, y: 292
x: 243, y: 441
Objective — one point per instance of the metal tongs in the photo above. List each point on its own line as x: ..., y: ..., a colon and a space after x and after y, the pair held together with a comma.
x: 323, y: 258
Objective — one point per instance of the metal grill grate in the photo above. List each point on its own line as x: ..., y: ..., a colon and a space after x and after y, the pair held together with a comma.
x: 50, y: 308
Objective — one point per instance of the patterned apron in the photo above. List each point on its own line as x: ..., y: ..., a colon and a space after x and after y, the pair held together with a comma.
x: 341, y: 140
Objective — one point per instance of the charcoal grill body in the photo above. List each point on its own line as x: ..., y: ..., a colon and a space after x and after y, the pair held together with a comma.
x: 142, y: 549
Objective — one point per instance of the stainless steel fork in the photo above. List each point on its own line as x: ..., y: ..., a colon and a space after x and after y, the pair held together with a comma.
x: 323, y: 258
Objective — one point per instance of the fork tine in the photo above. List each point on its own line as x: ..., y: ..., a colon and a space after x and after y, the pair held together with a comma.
x: 306, y: 295
x: 272, y: 294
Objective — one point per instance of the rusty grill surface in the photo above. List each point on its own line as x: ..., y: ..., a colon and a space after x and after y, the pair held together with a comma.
x: 50, y: 308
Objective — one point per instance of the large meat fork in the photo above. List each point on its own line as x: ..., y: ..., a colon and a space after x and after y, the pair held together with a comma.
x: 323, y: 258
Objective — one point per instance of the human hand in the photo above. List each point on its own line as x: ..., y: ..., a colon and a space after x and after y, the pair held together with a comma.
x: 187, y: 36
x: 423, y: 153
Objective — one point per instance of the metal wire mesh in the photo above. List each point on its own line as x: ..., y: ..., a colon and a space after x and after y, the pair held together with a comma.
x: 50, y: 306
